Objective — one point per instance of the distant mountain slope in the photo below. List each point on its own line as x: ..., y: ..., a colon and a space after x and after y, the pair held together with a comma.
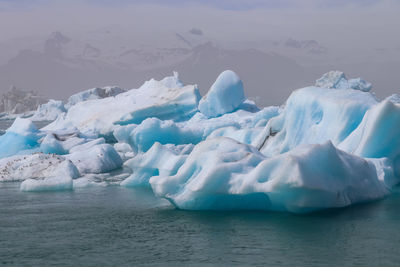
x: 65, y: 66
x: 57, y: 76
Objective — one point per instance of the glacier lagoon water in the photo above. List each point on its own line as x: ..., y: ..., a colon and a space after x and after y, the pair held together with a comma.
x: 127, y: 227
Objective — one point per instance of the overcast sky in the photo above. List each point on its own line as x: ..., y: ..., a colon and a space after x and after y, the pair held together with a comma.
x: 344, y: 31
x: 343, y: 26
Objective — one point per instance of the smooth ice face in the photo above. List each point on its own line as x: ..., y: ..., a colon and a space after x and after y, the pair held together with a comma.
x: 223, y: 174
x: 314, y: 115
x: 378, y: 138
x: 225, y: 95
x: 49, y: 111
x: 96, y: 159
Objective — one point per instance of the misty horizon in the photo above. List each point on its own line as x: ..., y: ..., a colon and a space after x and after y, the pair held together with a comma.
x: 272, y: 45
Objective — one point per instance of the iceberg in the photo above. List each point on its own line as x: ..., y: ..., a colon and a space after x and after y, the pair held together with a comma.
x: 329, y: 146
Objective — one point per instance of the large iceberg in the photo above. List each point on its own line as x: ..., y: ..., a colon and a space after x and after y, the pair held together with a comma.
x: 330, y: 145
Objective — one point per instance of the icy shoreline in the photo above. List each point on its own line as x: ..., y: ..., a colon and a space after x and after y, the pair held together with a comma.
x: 330, y: 145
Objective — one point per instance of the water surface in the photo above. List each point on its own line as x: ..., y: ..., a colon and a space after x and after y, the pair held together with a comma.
x: 110, y: 226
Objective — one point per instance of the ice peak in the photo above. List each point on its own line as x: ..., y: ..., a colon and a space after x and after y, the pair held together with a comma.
x: 225, y: 95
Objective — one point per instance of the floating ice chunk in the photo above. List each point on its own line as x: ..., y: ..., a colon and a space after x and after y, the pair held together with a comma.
x: 23, y: 127
x: 158, y: 160
x: 332, y: 79
x: 395, y: 98
x: 49, y: 111
x: 225, y: 95
x: 360, y: 84
x: 338, y: 80
x: 314, y: 115
x: 56, y: 183
x: 22, y: 135
x: 22, y: 167
x: 60, y: 178
x: 94, y: 93
x: 96, y: 159
x: 223, y: 174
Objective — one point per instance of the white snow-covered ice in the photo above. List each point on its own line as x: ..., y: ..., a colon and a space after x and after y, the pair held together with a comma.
x: 49, y: 111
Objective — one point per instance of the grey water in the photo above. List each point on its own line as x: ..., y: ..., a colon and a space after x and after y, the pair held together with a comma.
x: 116, y: 226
